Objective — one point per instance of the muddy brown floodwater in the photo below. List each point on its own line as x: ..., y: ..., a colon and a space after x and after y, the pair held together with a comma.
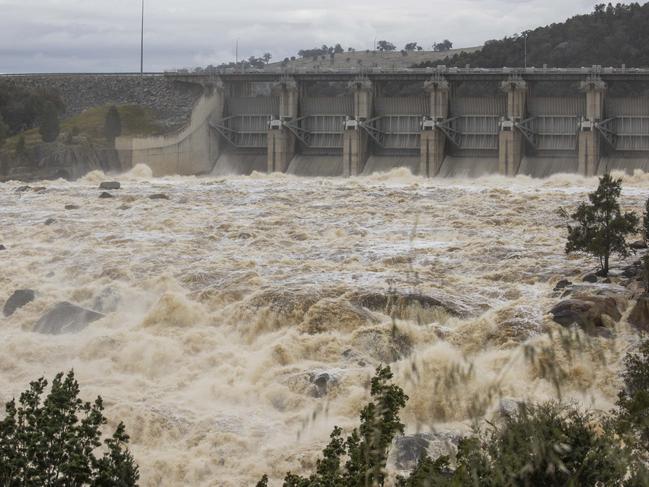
x: 244, y: 316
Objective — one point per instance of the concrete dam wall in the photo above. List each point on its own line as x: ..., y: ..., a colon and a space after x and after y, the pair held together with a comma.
x: 451, y: 123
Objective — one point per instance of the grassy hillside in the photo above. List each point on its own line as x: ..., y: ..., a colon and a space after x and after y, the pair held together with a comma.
x: 610, y: 36
x: 389, y: 60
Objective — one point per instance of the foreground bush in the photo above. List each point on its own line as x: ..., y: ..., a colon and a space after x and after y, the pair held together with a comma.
x: 54, y: 441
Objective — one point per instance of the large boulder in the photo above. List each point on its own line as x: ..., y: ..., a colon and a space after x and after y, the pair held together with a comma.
x: 639, y: 316
x: 110, y: 185
x: 66, y: 318
x: 17, y: 300
x: 590, y: 313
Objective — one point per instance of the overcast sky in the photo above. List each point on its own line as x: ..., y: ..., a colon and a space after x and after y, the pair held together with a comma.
x: 104, y: 35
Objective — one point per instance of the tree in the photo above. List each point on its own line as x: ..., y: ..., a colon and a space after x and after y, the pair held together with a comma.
x: 411, y: 46
x: 48, y: 125
x: 53, y: 441
x: 112, y: 124
x: 601, y: 228
x: 338, y: 49
x: 443, y: 46
x: 360, y: 459
x: 267, y: 57
x: 385, y: 46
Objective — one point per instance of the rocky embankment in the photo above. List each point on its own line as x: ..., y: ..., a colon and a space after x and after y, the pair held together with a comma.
x: 171, y: 101
x: 597, y: 304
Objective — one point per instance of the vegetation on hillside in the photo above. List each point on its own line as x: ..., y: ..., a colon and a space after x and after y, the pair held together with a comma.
x: 135, y: 120
x: 609, y: 36
x: 56, y: 439
x: 23, y: 109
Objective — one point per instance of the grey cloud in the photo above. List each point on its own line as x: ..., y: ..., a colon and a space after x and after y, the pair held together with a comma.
x: 103, y: 35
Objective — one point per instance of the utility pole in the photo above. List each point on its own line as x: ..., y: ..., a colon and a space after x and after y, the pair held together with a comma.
x: 142, y: 43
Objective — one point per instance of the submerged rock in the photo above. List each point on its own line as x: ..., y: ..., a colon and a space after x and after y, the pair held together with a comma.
x: 17, y: 300
x: 106, y: 195
x: 335, y: 315
x: 590, y: 278
x: 562, y: 284
x: 110, y: 185
x: 72, y: 207
x: 158, y: 196
x: 589, y: 313
x: 66, y: 318
x: 2, y: 247
x: 49, y: 221
x: 385, y: 344
x: 410, y: 305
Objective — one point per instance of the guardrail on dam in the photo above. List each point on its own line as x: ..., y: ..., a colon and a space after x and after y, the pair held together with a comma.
x: 437, y: 122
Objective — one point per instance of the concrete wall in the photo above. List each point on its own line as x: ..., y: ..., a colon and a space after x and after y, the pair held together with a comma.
x: 192, y: 150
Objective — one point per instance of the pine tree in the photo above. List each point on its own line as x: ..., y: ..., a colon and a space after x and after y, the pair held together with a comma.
x: 601, y: 228
x: 112, y: 125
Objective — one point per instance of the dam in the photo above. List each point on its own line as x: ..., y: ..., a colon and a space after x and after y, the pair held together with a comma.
x: 438, y: 122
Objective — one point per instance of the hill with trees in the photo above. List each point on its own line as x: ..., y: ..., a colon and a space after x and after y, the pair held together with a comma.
x: 609, y: 36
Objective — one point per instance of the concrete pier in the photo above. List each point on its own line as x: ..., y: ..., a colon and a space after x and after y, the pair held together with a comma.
x: 510, y: 140
x: 433, y: 140
x: 281, y: 142
x: 589, y: 136
x: 355, y: 139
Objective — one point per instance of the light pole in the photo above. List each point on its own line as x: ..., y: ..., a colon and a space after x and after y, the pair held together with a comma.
x: 142, y: 43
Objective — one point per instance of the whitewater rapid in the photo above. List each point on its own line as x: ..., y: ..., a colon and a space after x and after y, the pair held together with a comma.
x: 226, y: 302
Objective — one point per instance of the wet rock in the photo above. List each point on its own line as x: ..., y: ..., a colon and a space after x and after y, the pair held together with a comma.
x: 72, y: 207
x: 384, y: 344
x: 335, y: 315
x: 124, y: 207
x: 407, y: 450
x: 632, y: 271
x: 639, y: 316
x: 17, y: 300
x: 590, y: 278
x: 66, y: 318
x: 106, y: 195
x: 2, y: 247
x: 158, y: 196
x: 409, y: 305
x: 638, y: 245
x: 110, y: 185
x: 22, y: 189
x: 562, y: 284
x: 589, y: 313
x: 49, y: 221
x: 322, y: 382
